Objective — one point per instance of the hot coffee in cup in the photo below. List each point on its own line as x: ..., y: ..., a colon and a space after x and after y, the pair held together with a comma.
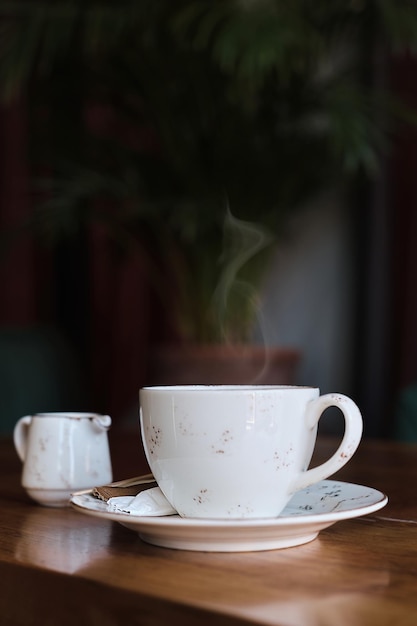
x: 233, y: 452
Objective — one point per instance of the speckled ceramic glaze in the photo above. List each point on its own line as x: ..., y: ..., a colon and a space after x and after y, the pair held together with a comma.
x: 62, y: 453
x: 233, y: 452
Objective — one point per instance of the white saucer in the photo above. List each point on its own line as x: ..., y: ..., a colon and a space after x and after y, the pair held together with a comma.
x: 308, y: 512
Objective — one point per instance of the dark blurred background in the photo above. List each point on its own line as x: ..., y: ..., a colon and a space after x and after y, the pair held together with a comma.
x: 128, y: 135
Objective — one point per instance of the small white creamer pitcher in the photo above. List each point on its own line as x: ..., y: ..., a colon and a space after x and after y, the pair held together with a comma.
x: 62, y: 453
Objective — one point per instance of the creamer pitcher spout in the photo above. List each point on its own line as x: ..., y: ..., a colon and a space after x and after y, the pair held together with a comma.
x: 102, y: 422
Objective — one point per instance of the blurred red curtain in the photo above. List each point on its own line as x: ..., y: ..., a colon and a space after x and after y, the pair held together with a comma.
x: 118, y: 297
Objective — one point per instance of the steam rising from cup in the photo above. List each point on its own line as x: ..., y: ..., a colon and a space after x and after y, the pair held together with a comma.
x: 236, y: 298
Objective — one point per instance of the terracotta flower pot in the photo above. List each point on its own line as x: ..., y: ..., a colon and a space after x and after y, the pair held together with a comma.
x: 222, y: 364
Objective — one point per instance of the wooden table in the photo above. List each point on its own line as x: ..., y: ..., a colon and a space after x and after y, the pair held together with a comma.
x: 59, y: 567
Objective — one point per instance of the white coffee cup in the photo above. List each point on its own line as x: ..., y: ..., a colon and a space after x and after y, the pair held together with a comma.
x: 232, y: 452
x: 62, y: 453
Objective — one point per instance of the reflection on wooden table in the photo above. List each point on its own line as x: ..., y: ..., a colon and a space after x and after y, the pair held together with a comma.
x: 58, y: 566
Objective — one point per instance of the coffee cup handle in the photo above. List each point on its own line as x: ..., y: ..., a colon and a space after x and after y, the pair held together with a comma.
x: 20, y: 435
x: 348, y: 445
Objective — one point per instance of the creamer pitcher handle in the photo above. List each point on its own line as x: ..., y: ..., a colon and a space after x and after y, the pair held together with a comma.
x: 20, y: 435
x: 348, y: 445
